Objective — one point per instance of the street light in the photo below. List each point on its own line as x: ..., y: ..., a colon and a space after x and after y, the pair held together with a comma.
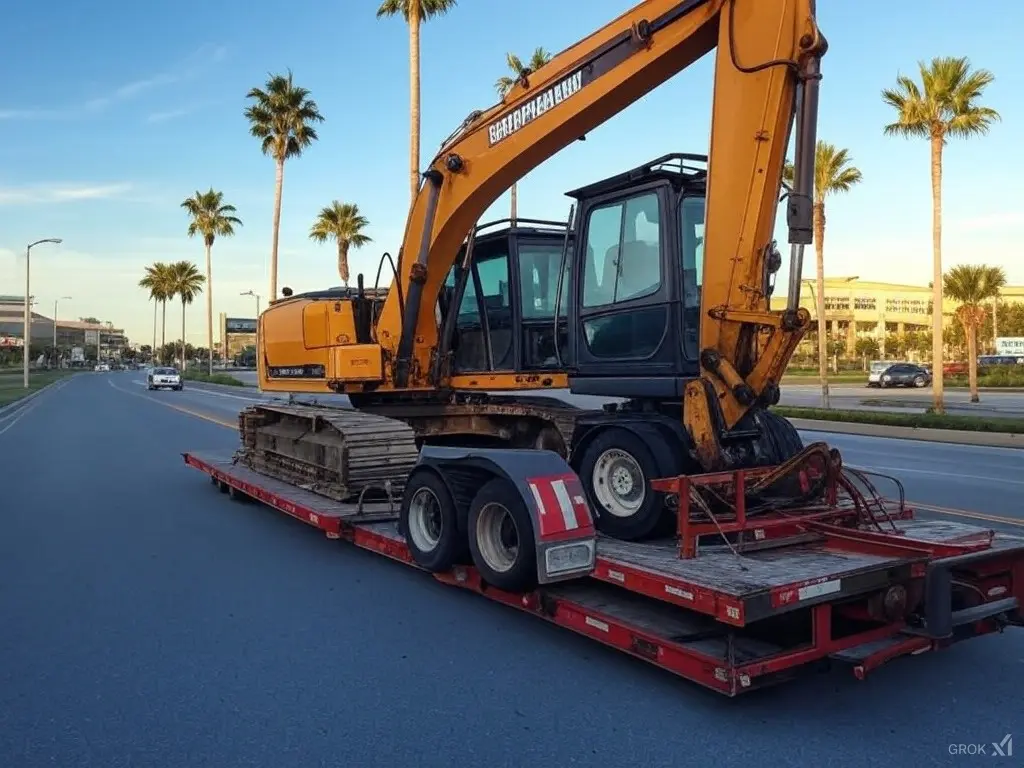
x: 257, y: 297
x: 28, y: 309
x: 55, y: 301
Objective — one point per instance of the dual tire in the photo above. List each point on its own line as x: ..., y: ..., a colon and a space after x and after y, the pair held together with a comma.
x: 497, y: 536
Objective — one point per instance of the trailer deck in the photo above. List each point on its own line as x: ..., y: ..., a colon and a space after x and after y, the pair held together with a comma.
x: 728, y: 621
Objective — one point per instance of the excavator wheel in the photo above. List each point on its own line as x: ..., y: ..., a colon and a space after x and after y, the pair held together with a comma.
x: 780, y: 438
x: 616, y: 469
x: 428, y: 519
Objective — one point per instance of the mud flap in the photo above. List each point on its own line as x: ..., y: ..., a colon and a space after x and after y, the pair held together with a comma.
x: 563, y: 526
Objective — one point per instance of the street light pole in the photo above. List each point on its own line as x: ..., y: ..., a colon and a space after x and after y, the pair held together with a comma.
x: 55, y: 353
x: 27, y: 334
x: 257, y: 297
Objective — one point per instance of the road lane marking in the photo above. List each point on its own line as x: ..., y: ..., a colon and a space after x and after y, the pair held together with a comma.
x: 29, y: 404
x: 985, y: 478
x: 248, y: 399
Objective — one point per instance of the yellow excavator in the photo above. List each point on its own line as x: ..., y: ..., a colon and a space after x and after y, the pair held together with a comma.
x: 652, y: 299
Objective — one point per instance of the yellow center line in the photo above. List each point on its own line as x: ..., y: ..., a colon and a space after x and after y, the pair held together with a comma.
x: 1018, y: 522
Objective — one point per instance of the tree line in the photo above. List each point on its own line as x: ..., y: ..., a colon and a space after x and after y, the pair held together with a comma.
x: 945, y: 104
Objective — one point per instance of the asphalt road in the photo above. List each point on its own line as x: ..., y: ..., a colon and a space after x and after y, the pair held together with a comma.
x: 860, y: 397
x: 149, y: 621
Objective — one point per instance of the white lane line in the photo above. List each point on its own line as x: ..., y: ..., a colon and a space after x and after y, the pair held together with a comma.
x: 947, y: 474
x: 247, y: 399
x: 23, y: 411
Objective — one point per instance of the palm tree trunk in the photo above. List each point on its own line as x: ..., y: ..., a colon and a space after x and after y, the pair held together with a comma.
x: 972, y: 361
x: 995, y: 324
x: 209, y: 307
x: 819, y: 249
x: 163, y: 332
x: 937, y: 388
x: 183, y: 337
x: 414, y: 99
x: 343, y: 272
x: 514, y: 212
x: 152, y: 351
x: 278, y: 187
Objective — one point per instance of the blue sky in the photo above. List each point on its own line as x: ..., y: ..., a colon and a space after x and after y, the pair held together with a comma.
x: 116, y: 111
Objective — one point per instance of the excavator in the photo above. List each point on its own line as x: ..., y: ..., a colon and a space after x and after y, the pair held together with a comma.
x: 651, y: 301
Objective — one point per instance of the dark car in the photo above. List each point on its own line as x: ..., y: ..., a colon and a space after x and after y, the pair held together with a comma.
x: 905, y: 375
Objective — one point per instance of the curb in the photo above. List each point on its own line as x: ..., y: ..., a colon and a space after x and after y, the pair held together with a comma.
x: 951, y: 436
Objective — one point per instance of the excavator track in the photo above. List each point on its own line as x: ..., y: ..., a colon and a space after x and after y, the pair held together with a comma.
x: 342, y: 454
x: 348, y: 454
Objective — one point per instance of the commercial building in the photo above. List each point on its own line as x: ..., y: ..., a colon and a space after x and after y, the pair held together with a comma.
x: 857, y: 309
x: 70, y: 333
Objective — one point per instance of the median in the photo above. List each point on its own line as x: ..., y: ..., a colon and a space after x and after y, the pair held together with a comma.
x: 930, y: 426
x: 223, y: 379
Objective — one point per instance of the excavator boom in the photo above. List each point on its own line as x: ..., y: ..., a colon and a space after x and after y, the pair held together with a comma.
x: 768, y: 51
x: 692, y: 367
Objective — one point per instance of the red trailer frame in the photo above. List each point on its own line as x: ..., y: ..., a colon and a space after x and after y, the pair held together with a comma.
x: 784, y: 594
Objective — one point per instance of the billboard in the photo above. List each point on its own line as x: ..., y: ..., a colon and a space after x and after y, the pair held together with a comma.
x: 92, y: 338
x: 239, y: 325
x: 1010, y: 345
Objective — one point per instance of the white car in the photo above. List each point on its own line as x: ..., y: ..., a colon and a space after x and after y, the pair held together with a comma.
x: 101, y: 367
x: 159, y: 378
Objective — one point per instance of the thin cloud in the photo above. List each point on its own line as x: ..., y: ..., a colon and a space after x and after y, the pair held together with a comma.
x: 189, y: 68
x: 171, y: 114
x: 60, y: 193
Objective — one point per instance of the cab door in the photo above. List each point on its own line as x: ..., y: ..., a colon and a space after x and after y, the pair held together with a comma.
x: 623, y: 319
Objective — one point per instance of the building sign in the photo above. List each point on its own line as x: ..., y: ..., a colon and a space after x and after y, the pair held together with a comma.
x: 1010, y: 345
x: 239, y: 325
x: 92, y: 338
x: 10, y: 341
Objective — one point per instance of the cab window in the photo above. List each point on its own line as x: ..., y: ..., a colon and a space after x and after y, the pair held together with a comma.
x: 623, y: 260
x: 538, y: 280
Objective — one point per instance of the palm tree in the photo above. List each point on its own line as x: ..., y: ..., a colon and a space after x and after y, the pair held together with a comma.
x: 281, y: 117
x: 944, y: 105
x: 186, y: 281
x: 210, y: 217
x: 154, y: 282
x: 505, y: 84
x: 972, y: 285
x: 833, y: 173
x: 345, y: 224
x: 415, y: 13
x: 158, y: 281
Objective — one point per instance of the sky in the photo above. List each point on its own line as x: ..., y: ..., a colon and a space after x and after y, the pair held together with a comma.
x: 114, y: 112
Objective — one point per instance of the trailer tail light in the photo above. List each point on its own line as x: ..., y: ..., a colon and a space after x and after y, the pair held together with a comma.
x: 565, y: 558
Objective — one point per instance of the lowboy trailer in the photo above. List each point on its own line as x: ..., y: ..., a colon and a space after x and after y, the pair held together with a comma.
x: 747, y: 594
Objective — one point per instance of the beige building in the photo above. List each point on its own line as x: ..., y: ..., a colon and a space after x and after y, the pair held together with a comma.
x: 857, y: 309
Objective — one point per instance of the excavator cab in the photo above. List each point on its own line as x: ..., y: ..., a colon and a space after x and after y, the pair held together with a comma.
x: 614, y: 300
x: 636, y: 280
x: 508, y: 315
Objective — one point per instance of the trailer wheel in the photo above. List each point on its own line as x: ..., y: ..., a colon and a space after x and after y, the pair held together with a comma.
x: 616, y: 470
x: 501, y: 538
x: 429, y: 522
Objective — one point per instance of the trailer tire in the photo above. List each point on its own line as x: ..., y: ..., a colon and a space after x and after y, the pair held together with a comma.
x: 501, y: 537
x: 428, y: 519
x: 635, y: 518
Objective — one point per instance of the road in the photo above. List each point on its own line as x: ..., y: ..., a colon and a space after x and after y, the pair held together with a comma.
x: 859, y: 397
x: 149, y: 621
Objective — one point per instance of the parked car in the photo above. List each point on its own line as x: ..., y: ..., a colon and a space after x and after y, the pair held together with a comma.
x: 878, y: 367
x: 159, y: 378
x: 905, y: 375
